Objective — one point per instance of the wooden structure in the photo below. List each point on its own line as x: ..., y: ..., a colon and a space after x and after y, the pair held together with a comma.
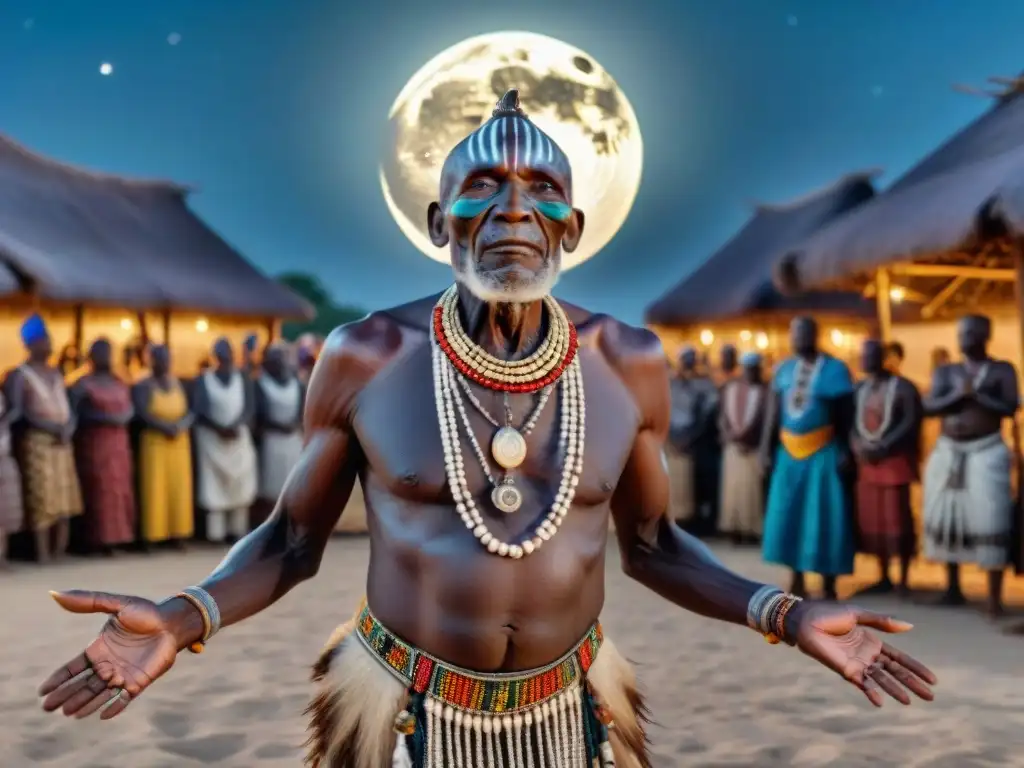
x: 100, y: 255
x: 731, y: 299
x: 949, y: 231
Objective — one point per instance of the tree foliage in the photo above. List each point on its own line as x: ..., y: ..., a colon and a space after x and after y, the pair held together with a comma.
x: 329, y: 315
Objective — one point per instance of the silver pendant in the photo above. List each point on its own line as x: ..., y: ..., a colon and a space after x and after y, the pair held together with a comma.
x: 506, y: 497
x: 508, y: 447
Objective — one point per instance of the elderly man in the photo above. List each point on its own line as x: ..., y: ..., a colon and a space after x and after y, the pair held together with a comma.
x: 489, y: 490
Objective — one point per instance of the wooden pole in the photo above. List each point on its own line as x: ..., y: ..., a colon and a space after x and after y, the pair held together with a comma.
x: 883, y: 302
x: 79, y: 328
x: 1018, y: 263
x: 167, y: 327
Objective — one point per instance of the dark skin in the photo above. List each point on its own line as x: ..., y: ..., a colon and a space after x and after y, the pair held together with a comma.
x: 900, y: 437
x: 223, y: 368
x: 970, y: 412
x: 803, y: 336
x: 51, y: 543
x: 160, y: 380
x: 369, y: 415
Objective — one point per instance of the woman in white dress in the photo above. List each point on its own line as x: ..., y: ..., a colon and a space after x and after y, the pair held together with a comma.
x: 279, y: 397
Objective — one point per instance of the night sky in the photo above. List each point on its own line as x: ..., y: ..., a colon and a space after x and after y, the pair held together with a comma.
x: 275, y: 109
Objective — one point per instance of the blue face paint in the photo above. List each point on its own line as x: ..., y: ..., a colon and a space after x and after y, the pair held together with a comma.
x: 469, y: 207
x: 555, y: 210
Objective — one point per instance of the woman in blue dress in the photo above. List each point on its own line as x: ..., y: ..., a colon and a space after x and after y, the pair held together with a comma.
x: 807, y: 526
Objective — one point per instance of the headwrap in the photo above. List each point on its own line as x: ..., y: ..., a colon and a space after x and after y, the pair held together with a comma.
x: 750, y: 359
x: 33, y: 329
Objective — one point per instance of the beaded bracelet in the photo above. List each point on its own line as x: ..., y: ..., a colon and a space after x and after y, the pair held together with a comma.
x: 758, y: 601
x: 204, y: 603
x: 767, y: 610
x: 778, y: 619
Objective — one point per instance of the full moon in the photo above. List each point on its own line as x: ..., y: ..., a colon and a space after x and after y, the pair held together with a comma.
x: 564, y: 91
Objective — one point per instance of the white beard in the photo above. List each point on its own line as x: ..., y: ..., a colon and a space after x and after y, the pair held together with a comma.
x: 497, y: 291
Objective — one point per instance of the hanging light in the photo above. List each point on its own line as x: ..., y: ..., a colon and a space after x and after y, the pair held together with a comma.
x: 761, y: 342
x: 837, y: 337
x: 745, y: 335
x: 707, y: 337
x: 126, y: 324
x: 897, y: 294
x: 202, y: 325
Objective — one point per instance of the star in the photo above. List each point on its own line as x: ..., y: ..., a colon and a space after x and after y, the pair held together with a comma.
x: 28, y: 23
x: 792, y: 20
x: 876, y: 90
x: 174, y: 38
x: 106, y: 68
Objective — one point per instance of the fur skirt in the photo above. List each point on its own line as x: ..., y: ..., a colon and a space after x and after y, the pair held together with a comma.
x: 359, y: 700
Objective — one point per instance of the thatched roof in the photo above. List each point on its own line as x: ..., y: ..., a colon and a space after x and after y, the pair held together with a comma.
x: 737, y: 279
x: 74, y: 235
x: 968, y: 190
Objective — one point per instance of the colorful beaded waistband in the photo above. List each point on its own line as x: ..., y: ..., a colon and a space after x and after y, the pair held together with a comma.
x: 474, y: 691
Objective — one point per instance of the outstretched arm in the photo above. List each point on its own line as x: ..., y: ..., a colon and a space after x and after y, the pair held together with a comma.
x: 654, y: 550
x: 288, y: 547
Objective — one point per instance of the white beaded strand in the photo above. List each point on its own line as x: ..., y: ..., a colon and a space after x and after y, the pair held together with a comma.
x: 572, y: 434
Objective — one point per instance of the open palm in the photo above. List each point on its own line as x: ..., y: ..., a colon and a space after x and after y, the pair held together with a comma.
x: 133, y: 649
x: 840, y: 637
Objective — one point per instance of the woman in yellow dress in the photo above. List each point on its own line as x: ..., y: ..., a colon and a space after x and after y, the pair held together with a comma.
x: 165, y: 454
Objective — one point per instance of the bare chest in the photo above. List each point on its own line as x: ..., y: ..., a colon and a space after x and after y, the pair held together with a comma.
x: 398, y: 430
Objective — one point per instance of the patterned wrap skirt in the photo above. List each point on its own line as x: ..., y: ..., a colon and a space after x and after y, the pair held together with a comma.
x: 49, y: 480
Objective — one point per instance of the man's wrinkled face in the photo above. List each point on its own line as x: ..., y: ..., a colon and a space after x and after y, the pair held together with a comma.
x: 506, y: 212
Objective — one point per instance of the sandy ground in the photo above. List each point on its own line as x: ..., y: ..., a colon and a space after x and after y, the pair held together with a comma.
x: 720, y: 695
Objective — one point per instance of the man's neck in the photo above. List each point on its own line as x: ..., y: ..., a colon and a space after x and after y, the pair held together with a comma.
x: 509, y: 331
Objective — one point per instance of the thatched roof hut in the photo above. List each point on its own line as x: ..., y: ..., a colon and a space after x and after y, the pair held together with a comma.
x: 75, y: 235
x: 947, y: 229
x: 121, y: 256
x: 733, y: 287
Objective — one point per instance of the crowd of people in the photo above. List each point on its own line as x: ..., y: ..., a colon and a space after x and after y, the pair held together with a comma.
x: 92, y: 460
x: 816, y: 466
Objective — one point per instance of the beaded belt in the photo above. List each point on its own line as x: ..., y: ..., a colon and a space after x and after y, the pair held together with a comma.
x: 474, y: 691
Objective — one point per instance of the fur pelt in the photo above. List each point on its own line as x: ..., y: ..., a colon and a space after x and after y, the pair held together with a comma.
x: 353, y: 712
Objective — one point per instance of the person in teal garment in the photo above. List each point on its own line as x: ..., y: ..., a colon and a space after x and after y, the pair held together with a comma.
x: 805, y: 447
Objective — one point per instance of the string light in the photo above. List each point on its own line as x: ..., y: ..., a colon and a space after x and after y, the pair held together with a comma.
x: 126, y: 324
x: 837, y: 337
x: 202, y: 325
x: 897, y: 294
x: 761, y: 342
x: 707, y: 337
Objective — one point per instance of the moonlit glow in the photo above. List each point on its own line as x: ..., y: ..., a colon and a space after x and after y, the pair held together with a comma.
x: 173, y: 39
x: 454, y: 93
x: 106, y: 68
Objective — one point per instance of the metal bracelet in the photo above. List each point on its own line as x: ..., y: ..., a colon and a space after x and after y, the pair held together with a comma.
x: 212, y: 611
x: 757, y: 604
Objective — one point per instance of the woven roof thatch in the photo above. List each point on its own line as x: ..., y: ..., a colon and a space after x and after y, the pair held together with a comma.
x: 74, y: 235
x: 737, y: 279
x: 967, y: 191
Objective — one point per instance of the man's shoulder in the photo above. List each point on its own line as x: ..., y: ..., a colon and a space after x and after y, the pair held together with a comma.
x: 625, y: 347
x: 379, y: 334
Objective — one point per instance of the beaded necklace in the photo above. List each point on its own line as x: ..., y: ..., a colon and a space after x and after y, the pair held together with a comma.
x: 874, y: 435
x: 505, y: 496
x: 539, y: 370
x: 804, y: 378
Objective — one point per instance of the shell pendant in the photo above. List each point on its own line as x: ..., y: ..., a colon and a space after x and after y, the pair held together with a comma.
x: 506, y: 497
x: 508, y: 447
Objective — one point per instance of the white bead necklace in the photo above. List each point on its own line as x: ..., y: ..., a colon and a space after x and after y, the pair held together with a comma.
x: 572, y: 437
x: 749, y: 409
x: 804, y: 378
x: 874, y: 435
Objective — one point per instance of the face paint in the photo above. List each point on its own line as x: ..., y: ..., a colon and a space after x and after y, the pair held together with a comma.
x: 510, y: 142
x: 470, y: 207
x: 555, y: 210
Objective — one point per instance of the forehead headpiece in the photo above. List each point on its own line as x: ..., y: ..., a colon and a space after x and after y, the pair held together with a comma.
x: 750, y: 360
x: 33, y: 329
